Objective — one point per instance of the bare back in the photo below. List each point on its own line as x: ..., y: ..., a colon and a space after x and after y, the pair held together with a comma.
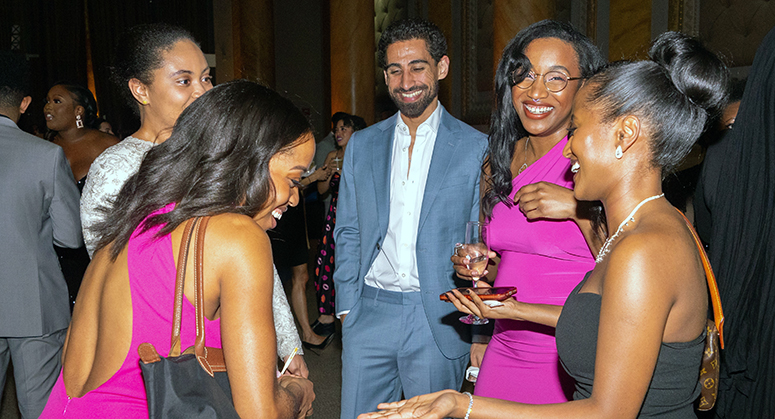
x: 101, y: 330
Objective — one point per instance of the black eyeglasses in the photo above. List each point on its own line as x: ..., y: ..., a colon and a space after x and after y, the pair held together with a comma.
x: 555, y: 81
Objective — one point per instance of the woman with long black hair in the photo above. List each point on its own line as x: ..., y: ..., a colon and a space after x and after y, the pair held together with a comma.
x: 235, y: 155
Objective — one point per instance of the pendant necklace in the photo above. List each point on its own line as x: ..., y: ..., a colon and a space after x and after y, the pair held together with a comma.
x: 607, y: 244
x: 524, y: 165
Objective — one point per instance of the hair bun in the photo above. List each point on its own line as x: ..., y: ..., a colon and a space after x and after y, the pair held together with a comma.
x: 695, y: 71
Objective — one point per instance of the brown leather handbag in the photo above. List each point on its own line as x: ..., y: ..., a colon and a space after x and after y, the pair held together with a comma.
x: 193, y: 384
x: 709, y: 371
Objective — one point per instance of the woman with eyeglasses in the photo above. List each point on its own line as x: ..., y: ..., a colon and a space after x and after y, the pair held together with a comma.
x: 632, y: 332
x: 536, y: 226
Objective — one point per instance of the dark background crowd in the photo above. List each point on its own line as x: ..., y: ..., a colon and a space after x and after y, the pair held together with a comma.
x: 325, y: 64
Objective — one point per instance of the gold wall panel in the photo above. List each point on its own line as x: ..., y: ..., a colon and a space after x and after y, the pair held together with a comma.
x: 630, y: 29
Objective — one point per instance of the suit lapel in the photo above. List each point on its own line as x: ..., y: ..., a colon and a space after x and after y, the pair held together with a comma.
x: 381, y: 159
x: 447, y: 141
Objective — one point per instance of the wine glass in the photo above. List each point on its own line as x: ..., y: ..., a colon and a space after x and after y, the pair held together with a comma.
x: 477, y: 251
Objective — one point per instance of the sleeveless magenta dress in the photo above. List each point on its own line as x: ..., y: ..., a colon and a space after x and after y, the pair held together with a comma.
x: 152, y: 282
x: 545, y: 260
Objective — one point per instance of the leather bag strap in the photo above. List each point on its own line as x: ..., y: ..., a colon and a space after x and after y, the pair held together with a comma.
x: 715, y: 298
x: 179, y: 281
x: 199, y: 346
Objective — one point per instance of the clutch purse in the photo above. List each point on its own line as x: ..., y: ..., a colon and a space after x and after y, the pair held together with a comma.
x: 714, y: 339
x: 192, y: 384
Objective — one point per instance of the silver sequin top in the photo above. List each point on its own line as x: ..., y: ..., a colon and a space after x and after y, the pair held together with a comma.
x: 107, y: 175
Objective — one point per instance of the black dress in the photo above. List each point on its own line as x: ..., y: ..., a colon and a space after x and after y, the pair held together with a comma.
x: 674, y: 386
x: 73, y: 262
x: 741, y: 187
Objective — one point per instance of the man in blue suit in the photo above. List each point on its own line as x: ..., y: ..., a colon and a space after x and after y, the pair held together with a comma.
x: 409, y: 185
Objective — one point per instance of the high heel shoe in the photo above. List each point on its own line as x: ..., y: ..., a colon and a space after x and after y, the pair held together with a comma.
x: 323, y: 329
x: 320, y: 346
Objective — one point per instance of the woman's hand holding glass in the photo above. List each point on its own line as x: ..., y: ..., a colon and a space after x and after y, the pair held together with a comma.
x: 476, y: 252
x: 462, y: 267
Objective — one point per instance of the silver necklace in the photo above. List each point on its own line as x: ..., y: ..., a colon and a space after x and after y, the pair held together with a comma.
x: 607, y: 244
x: 524, y: 165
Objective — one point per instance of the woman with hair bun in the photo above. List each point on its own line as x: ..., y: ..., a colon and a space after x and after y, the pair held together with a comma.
x: 632, y: 333
x: 70, y: 113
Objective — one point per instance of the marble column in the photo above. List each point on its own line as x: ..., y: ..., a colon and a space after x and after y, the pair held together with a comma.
x: 352, y: 57
x: 244, y: 40
x: 509, y: 17
x: 630, y: 29
x: 440, y: 13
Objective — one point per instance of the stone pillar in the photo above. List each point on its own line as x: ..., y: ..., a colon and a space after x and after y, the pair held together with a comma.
x: 630, y: 29
x: 244, y: 40
x: 509, y: 17
x: 440, y: 13
x: 352, y: 57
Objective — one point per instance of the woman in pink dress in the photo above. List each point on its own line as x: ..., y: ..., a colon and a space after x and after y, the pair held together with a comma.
x: 536, y: 225
x: 236, y: 154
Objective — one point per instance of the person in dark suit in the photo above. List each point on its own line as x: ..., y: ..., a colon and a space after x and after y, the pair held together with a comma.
x: 39, y: 203
x: 409, y: 185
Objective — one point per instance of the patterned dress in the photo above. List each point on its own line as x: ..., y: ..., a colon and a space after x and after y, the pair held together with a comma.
x: 324, y: 265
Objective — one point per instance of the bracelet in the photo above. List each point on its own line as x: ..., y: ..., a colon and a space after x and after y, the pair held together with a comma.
x: 470, y: 404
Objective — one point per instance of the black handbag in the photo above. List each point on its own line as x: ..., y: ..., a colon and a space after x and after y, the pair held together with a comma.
x: 193, y: 384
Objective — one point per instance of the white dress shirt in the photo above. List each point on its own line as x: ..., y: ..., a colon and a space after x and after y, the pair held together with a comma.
x: 395, y: 268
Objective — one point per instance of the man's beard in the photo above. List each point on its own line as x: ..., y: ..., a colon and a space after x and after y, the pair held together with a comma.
x: 415, y: 109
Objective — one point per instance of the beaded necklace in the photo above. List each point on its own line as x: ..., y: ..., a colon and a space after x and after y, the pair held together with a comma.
x: 607, y: 244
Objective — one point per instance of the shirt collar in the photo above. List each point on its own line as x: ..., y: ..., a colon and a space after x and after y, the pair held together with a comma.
x: 431, y: 123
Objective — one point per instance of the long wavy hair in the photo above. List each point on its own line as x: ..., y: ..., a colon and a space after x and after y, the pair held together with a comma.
x: 505, y: 127
x: 216, y: 161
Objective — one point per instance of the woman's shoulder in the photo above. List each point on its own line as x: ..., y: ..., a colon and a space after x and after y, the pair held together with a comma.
x: 101, y: 140
x: 120, y: 160
x: 236, y: 232
x: 657, y: 252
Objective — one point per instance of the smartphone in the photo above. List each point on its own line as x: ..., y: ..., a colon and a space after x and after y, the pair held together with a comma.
x: 494, y: 293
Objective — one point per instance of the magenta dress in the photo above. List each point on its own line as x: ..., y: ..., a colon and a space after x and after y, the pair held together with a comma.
x: 152, y: 284
x: 545, y: 260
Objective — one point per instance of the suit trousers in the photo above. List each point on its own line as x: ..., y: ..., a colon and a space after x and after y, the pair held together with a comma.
x: 389, y: 353
x: 36, y: 365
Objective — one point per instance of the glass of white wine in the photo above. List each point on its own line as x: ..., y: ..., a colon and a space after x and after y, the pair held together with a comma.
x: 477, y: 251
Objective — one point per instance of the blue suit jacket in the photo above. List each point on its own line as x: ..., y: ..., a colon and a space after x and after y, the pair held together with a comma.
x: 451, y: 199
